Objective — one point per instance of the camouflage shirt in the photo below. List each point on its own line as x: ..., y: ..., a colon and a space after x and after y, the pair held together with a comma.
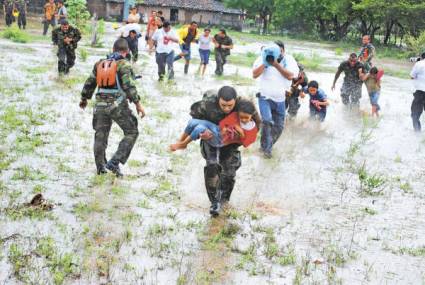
x: 351, y: 72
x: 209, y: 109
x: 20, y: 5
x: 125, y: 77
x: 58, y: 37
x: 367, y: 52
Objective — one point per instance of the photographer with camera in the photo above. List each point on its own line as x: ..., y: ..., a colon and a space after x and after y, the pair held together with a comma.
x: 418, y: 104
x: 275, y: 71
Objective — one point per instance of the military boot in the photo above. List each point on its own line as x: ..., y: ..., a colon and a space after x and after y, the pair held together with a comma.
x: 101, y: 170
x: 215, y: 208
x: 114, y: 166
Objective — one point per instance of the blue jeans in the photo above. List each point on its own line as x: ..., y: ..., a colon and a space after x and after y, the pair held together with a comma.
x: 185, y: 50
x: 204, y: 54
x: 374, y: 97
x: 316, y: 114
x: 273, y: 117
x: 196, y: 127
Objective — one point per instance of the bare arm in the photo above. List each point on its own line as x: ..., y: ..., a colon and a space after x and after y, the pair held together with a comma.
x: 258, y: 71
x: 362, y: 75
x: 337, y: 74
x: 283, y: 71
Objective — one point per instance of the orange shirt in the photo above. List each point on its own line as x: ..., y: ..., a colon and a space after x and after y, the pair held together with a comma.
x: 49, y: 11
x: 230, y: 138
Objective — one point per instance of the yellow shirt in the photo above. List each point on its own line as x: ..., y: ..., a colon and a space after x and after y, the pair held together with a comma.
x: 184, y: 31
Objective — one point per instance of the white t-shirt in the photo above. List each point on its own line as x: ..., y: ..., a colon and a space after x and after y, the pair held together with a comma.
x: 204, y: 42
x: 271, y: 83
x: 164, y: 45
x: 418, y: 73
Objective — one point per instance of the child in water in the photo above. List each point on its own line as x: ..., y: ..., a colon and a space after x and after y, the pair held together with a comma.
x: 318, y: 100
x: 373, y: 86
x: 237, y: 127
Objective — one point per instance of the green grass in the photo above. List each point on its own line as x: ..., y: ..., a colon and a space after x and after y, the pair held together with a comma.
x: 28, y: 173
x: 413, y: 251
x: 370, y: 184
x: 246, y: 59
x: 314, y: 62
x: 16, y: 35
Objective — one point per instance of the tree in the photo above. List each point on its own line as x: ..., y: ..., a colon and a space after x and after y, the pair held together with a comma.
x: 262, y: 8
x: 78, y: 13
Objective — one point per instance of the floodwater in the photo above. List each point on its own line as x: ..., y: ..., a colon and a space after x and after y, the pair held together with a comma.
x: 153, y: 226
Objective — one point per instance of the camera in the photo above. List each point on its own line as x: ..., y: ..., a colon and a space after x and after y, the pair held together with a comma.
x: 270, y: 54
x: 414, y: 59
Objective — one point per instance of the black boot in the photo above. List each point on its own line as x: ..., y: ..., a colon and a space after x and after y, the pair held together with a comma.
x: 186, y: 68
x: 114, y: 166
x: 101, y: 170
x: 215, y: 208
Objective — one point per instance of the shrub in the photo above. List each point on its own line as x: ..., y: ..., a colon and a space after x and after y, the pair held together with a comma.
x: 416, y: 45
x: 16, y: 35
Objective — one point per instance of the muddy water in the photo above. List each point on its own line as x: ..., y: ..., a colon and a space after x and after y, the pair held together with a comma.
x: 308, y: 193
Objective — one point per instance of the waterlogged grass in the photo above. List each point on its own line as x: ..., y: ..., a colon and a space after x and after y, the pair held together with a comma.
x: 237, y: 79
x: 246, y: 59
x: 28, y: 173
x: 15, y: 35
x: 370, y: 184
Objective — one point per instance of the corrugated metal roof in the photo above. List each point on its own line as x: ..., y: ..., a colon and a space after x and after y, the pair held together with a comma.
x: 201, y: 5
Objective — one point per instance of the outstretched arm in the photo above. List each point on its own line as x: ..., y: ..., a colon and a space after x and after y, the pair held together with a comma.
x: 337, y: 74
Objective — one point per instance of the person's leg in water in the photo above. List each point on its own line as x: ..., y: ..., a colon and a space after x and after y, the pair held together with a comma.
x: 417, y: 108
x: 230, y: 161
x: 125, y: 119
x: 356, y: 95
x: 160, y: 61
x: 212, y: 172
x: 70, y: 60
x: 102, y: 123
x: 278, y: 117
x: 170, y: 64
x: 219, y: 61
x: 266, y: 130
x: 193, y: 131
x: 374, y: 97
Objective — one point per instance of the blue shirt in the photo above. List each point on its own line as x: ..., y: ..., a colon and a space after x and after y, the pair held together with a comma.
x: 320, y: 96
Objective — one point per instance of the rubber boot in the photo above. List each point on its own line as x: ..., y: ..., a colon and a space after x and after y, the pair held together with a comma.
x: 114, y: 166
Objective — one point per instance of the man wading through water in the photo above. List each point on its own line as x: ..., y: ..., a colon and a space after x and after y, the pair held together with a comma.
x: 351, y: 90
x: 223, y: 162
x: 115, y: 81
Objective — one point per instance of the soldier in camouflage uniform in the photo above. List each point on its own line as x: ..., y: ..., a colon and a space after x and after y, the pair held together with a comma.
x: 367, y: 53
x: 351, y: 90
x: 292, y: 103
x: 66, y: 38
x: 222, y: 163
x: 21, y: 6
x: 112, y: 105
x: 8, y: 6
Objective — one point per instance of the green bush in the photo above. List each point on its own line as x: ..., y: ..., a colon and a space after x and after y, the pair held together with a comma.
x: 78, y: 13
x: 416, y: 45
x: 16, y: 35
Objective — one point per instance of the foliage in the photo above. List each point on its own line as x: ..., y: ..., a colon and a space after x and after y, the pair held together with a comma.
x: 78, y: 13
x: 15, y: 35
x: 416, y: 45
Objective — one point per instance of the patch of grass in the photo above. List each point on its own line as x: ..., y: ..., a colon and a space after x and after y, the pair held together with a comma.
x: 15, y: 35
x: 84, y: 209
x: 28, y: 173
x: 83, y: 54
x: 287, y: 258
x: 17, y: 259
x: 413, y: 251
x: 246, y: 59
x: 237, y: 79
x: 34, y: 213
x: 369, y: 211
x: 370, y: 184
x: 136, y: 163
x: 225, y: 236
x: 5, y: 161
x: 144, y: 204
x: 38, y: 69
x: 163, y: 116
x: 406, y: 187
x: 314, y: 62
x: 338, y: 51
x: 118, y: 190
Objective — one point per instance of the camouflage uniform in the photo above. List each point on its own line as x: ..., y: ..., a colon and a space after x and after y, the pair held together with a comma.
x: 352, y: 86
x: 66, y: 52
x: 292, y: 98
x: 222, y: 163
x: 8, y: 8
x: 367, y: 53
x: 221, y: 54
x: 113, y: 107
x: 22, y: 18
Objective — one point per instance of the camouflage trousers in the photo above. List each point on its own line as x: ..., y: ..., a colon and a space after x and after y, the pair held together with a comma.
x: 292, y: 102
x: 66, y: 59
x: 220, y: 171
x: 351, y: 92
x: 103, y: 117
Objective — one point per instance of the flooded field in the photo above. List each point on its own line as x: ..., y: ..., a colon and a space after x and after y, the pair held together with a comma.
x: 342, y: 203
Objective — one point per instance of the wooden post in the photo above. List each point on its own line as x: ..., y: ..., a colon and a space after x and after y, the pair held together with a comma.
x: 94, y: 30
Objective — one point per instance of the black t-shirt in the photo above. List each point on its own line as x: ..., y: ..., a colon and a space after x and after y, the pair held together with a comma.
x: 351, y: 72
x: 226, y: 40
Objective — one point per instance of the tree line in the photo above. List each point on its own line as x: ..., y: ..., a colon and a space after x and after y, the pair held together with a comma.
x: 388, y: 21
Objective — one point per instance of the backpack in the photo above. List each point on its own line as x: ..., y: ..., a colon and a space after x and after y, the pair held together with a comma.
x: 106, y: 74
